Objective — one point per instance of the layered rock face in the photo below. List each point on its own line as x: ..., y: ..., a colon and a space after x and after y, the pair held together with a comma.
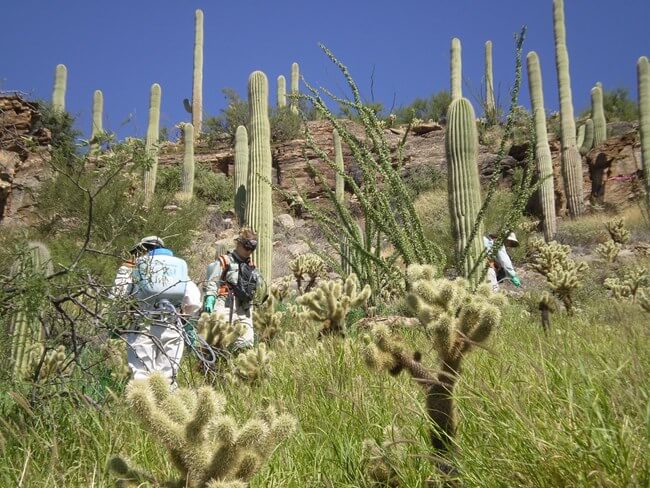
x: 23, y: 158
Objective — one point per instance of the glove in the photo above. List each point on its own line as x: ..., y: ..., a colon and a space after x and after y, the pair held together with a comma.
x: 208, y: 303
x: 516, y: 281
x: 190, y: 332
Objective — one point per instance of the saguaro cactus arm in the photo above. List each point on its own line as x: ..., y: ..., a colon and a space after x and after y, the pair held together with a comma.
x: 60, y: 85
x: 197, y: 84
x: 643, y: 79
x: 151, y: 144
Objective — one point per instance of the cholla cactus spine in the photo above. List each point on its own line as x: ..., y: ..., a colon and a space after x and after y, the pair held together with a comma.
x: 60, y: 85
x: 542, y: 149
x: 598, y: 115
x: 97, y: 128
x: 295, y: 87
x: 241, y: 173
x: 267, y: 320
x: 588, y: 140
x: 456, y: 70
x: 461, y: 144
x: 617, y: 231
x: 643, y: 79
x: 490, y: 101
x: 217, y: 331
x: 197, y: 77
x: 282, y: 91
x: 254, y: 365
x: 631, y: 285
x: 571, y: 161
x: 259, y: 205
x: 187, y: 178
x: 151, y: 144
x: 609, y: 250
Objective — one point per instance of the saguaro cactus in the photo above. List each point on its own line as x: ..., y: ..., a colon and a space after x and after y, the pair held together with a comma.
x: 187, y: 179
x: 98, y: 112
x: 643, y: 78
x: 151, y: 144
x: 571, y: 161
x: 60, y: 85
x: 259, y: 209
x: 295, y: 79
x: 580, y: 136
x: 197, y: 85
x: 588, y: 141
x: 461, y: 145
x: 542, y: 150
x: 598, y: 115
x: 241, y: 172
x: 490, y: 101
x: 282, y: 91
x: 456, y: 70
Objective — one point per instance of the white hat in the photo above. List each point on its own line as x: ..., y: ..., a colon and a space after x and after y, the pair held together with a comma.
x: 148, y: 242
x: 512, y: 239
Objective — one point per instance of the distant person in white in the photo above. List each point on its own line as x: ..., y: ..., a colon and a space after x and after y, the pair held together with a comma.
x: 501, y: 266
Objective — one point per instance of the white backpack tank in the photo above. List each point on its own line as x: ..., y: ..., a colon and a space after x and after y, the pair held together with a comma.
x: 160, y: 277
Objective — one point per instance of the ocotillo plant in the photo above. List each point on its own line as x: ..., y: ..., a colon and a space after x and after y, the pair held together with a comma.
x: 187, y: 179
x: 295, y: 86
x: 542, y: 150
x: 571, y: 161
x: 461, y: 145
x: 24, y: 325
x: 643, y: 79
x: 151, y: 144
x: 456, y: 319
x: 282, y: 91
x: 60, y: 85
x: 206, y: 446
x: 456, y: 70
x: 598, y: 115
x: 241, y: 173
x: 588, y: 141
x: 490, y: 101
x: 339, y: 193
x: 197, y: 83
x: 97, y: 128
x: 259, y: 207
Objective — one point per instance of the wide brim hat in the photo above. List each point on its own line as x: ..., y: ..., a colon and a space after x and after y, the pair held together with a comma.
x: 512, y: 239
x: 148, y: 242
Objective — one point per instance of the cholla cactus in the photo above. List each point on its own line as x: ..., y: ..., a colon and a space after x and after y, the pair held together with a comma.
x: 561, y: 272
x: 45, y: 365
x: 379, y: 460
x: 216, y: 330
x: 115, y: 356
x: 630, y: 284
x: 609, y: 250
x: 206, y: 446
x: 617, y: 231
x: 267, y: 320
x: 546, y: 307
x: 288, y: 340
x: 330, y: 303
x: 644, y: 299
x: 253, y: 365
x: 307, y: 265
x: 281, y: 289
x: 456, y: 318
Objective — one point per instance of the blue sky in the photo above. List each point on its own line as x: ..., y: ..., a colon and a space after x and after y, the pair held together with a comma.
x: 122, y: 47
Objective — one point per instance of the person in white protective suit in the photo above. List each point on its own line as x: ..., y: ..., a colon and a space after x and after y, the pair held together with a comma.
x: 231, y: 283
x: 160, y: 285
x: 500, y: 267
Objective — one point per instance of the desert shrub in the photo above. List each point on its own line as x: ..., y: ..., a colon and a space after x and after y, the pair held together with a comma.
x: 616, y: 105
x: 285, y: 125
x: 424, y: 178
x: 231, y: 117
x: 432, y: 108
x: 210, y: 187
x: 433, y: 209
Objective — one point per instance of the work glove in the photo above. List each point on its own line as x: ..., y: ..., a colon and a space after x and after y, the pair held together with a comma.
x: 516, y: 281
x: 208, y: 303
x: 190, y: 332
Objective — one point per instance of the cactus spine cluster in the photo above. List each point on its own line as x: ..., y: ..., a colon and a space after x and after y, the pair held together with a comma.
x: 598, y: 115
x: 571, y: 161
x: 241, y: 173
x: 282, y: 91
x: 456, y: 70
x: 295, y: 89
x: 98, y: 115
x: 490, y: 101
x: 461, y: 144
x: 542, y: 150
x: 259, y: 207
x: 187, y: 179
x: 197, y: 78
x: 206, y: 446
x: 60, y: 85
x: 151, y: 144
x: 643, y: 79
x: 588, y: 140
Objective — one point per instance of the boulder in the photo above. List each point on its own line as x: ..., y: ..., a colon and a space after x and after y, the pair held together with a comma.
x: 285, y: 220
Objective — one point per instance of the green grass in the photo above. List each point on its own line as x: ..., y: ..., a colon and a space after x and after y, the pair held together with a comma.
x: 570, y: 409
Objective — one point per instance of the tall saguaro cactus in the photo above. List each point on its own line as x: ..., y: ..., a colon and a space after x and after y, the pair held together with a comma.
x: 295, y: 79
x: 456, y: 70
x: 643, y: 79
x: 98, y: 126
x: 187, y: 179
x: 598, y: 115
x: 151, y: 143
x: 490, y: 101
x: 588, y: 140
x: 571, y: 161
x: 197, y: 83
x: 282, y: 91
x: 60, y: 85
x: 542, y: 150
x: 259, y: 209
x: 241, y: 172
x: 461, y: 145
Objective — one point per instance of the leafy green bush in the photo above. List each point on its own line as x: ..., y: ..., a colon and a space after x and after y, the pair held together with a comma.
x: 231, y: 117
x: 285, y: 125
x: 617, y: 106
x: 434, y: 108
x: 424, y: 178
x: 210, y: 187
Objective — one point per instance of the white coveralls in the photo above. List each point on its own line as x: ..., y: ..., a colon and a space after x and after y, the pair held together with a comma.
x: 241, y: 312
x: 156, y: 346
x: 503, y: 259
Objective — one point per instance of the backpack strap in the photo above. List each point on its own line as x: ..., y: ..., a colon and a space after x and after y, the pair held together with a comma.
x: 224, y: 289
